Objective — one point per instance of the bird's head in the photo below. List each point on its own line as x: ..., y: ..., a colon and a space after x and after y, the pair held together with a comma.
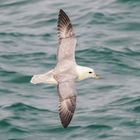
x: 86, y: 72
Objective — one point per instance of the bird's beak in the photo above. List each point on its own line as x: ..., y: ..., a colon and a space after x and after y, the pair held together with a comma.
x: 96, y: 76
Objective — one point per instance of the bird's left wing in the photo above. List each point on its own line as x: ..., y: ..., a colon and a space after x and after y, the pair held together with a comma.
x: 67, y: 101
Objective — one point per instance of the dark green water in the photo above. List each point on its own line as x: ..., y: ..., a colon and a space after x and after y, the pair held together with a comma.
x: 108, y: 35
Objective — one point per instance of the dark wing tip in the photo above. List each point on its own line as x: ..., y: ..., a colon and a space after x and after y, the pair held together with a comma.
x: 61, y: 11
x: 65, y: 123
x: 64, y: 25
x: 66, y: 110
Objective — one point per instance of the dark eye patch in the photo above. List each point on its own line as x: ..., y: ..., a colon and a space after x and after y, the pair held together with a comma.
x: 90, y: 72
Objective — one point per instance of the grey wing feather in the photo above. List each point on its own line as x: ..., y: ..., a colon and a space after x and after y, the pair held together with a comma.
x: 65, y: 70
x: 64, y: 26
x: 67, y: 101
x: 67, y: 40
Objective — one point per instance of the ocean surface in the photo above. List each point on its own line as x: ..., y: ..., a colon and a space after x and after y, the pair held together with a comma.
x: 108, y: 33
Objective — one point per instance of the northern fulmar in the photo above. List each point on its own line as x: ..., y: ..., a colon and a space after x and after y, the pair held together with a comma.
x: 66, y: 71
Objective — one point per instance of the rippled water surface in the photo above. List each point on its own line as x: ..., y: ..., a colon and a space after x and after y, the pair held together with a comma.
x: 108, y: 35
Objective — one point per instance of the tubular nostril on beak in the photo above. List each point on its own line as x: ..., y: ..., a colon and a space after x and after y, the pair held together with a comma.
x: 97, y: 76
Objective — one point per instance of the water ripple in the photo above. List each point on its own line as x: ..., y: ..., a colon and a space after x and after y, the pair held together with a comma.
x: 108, y: 41
x: 23, y: 107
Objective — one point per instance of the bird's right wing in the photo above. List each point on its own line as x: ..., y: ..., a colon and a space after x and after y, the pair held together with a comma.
x: 67, y: 40
x: 67, y: 101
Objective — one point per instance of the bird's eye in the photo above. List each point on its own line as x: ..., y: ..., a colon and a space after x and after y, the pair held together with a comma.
x: 90, y: 72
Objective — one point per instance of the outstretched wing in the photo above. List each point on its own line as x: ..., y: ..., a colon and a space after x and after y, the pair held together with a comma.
x: 65, y: 70
x: 67, y: 101
x: 67, y: 40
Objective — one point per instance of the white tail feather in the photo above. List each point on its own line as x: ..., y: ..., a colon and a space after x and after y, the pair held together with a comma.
x: 40, y: 78
x: 44, y: 78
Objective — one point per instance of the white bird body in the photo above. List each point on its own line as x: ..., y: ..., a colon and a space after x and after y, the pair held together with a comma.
x: 48, y: 78
x: 66, y: 71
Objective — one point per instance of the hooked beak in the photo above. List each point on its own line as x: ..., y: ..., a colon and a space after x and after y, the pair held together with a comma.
x: 96, y: 76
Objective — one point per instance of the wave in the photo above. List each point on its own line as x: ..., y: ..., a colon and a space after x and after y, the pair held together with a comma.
x: 98, y: 127
x: 128, y: 1
x: 23, y: 107
x: 16, y: 3
x: 18, y: 34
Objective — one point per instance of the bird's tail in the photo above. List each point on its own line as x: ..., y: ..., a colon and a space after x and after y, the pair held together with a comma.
x: 44, y: 78
x: 36, y: 79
